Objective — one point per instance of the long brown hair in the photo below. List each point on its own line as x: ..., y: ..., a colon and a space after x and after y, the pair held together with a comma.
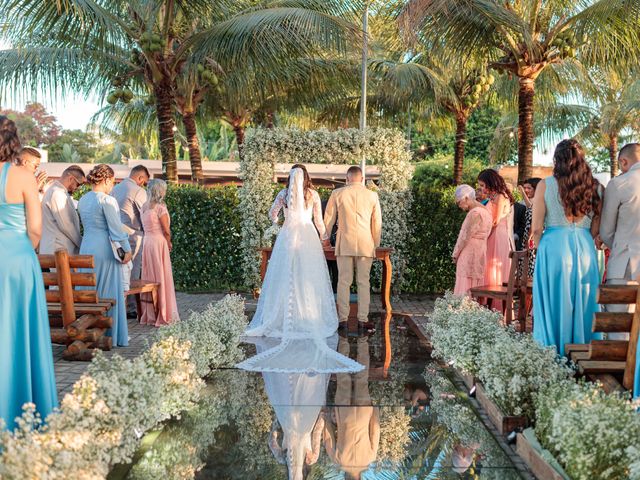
x: 577, y: 188
x: 9, y: 140
x: 495, y: 183
x: 307, y: 184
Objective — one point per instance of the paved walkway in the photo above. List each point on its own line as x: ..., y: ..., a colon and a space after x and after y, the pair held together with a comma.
x: 68, y: 372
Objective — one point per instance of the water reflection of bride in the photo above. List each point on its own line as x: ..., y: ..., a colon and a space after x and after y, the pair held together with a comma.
x: 297, y: 399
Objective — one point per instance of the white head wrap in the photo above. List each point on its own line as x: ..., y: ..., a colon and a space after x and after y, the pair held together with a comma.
x: 464, y: 191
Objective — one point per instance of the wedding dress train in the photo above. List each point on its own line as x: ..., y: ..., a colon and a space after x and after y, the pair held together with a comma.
x: 297, y: 304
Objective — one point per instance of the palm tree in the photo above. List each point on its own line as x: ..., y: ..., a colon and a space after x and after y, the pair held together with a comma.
x: 101, y: 33
x: 523, y: 38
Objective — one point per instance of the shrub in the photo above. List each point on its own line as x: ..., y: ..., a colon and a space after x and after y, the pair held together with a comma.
x: 206, y: 235
x: 437, y: 172
x: 434, y: 223
x: 591, y: 433
x: 459, y: 328
x: 514, y: 369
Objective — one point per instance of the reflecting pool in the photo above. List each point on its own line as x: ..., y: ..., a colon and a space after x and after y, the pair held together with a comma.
x: 399, y: 418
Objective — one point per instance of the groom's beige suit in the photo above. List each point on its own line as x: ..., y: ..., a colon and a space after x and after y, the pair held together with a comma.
x: 357, y: 211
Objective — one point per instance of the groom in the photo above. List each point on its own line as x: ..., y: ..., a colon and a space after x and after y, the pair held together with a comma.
x: 359, y: 230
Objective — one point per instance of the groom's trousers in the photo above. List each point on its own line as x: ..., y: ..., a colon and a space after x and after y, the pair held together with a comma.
x: 346, y: 267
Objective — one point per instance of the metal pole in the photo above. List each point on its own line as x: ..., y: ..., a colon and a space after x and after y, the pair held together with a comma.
x: 363, y: 97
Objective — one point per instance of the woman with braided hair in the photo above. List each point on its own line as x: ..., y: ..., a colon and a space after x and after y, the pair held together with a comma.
x: 103, y: 229
x: 566, y: 219
x: 26, y: 356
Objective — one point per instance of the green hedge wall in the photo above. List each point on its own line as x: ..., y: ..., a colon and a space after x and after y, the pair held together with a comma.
x: 205, y: 223
x: 435, y: 221
x: 205, y: 226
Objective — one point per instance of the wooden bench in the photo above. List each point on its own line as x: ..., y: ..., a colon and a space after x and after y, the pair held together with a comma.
x: 611, y: 362
x: 515, y: 289
x: 137, y: 288
x: 77, y: 317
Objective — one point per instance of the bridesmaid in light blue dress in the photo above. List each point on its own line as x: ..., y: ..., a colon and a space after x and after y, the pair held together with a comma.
x: 100, y: 217
x: 26, y: 359
x: 566, y: 277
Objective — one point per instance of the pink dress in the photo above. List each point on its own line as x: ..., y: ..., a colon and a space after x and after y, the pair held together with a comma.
x: 499, y: 242
x: 156, y: 267
x: 471, y: 250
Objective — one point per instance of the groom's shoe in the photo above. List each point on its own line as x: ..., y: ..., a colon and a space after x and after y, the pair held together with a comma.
x: 366, y: 325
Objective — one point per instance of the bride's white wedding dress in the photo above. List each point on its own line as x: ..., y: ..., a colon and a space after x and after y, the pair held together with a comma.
x: 297, y: 303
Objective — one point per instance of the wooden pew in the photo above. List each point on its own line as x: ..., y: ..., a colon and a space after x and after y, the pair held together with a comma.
x: 612, y: 362
x: 514, y: 290
x: 77, y: 317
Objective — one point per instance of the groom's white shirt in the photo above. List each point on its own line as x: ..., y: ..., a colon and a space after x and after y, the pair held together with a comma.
x: 620, y: 224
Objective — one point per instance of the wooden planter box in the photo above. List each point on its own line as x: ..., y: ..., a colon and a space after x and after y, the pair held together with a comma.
x: 504, y: 423
x: 468, y: 380
x: 536, y: 463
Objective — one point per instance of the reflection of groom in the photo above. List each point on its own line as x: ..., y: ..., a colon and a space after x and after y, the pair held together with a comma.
x: 357, y: 210
x: 352, y: 432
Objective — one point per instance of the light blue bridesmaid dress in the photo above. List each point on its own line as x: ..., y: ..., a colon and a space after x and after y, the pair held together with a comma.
x: 100, y: 217
x: 566, y: 277
x: 26, y: 359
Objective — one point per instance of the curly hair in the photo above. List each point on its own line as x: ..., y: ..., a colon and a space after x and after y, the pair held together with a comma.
x: 99, y: 174
x: 156, y: 191
x: 9, y: 141
x: 495, y: 183
x: 577, y: 187
x: 308, y: 185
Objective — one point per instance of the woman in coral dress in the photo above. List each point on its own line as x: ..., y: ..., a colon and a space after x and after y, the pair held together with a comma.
x: 500, y: 241
x: 156, y: 262
x: 470, y: 251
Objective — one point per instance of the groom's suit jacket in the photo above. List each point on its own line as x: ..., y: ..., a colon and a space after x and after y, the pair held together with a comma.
x: 620, y: 224
x: 357, y: 210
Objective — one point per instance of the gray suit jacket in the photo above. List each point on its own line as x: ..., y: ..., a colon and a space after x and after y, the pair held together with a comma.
x: 130, y: 198
x: 60, y: 222
x: 620, y: 224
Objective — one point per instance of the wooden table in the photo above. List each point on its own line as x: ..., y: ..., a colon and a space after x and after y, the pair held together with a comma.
x: 382, y: 254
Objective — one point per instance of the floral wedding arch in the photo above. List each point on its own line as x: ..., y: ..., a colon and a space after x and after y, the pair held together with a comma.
x: 263, y: 148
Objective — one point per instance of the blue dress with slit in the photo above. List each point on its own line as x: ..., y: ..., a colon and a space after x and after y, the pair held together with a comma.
x: 566, y: 277
x: 26, y: 358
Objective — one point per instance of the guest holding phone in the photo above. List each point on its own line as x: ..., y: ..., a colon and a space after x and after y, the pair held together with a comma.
x: 105, y: 239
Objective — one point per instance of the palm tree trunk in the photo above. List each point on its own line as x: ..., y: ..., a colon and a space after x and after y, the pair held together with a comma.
x: 164, y: 93
x: 613, y: 154
x: 195, y: 157
x: 526, y: 134
x: 461, y: 140
x: 238, y: 129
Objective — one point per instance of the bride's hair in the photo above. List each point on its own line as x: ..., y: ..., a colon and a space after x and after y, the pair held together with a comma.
x: 308, y: 186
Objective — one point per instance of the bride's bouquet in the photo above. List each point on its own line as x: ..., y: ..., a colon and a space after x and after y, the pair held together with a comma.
x: 271, y: 233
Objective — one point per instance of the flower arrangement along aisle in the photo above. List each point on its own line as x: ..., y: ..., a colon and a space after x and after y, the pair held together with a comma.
x: 592, y: 434
x: 117, y: 400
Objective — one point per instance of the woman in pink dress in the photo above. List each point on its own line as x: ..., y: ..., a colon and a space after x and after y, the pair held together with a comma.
x: 500, y: 241
x: 156, y: 262
x: 470, y: 251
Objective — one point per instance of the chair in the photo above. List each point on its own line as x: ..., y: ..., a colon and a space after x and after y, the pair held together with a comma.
x: 514, y: 289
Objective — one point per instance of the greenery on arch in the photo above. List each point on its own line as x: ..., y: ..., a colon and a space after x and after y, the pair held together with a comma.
x: 384, y: 147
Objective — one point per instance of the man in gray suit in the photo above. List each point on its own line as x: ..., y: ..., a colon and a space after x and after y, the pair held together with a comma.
x: 131, y: 196
x: 620, y: 222
x: 60, y: 222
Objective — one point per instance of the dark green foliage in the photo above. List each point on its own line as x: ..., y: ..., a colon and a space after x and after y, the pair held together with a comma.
x: 435, y: 222
x: 437, y: 172
x: 205, y: 225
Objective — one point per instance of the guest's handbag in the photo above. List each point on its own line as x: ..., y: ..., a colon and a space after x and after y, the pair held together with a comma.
x: 118, y: 251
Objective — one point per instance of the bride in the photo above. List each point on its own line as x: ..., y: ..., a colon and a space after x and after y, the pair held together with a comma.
x: 297, y: 303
